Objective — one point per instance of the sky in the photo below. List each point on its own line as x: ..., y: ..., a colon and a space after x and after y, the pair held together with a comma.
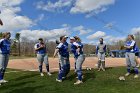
x: 89, y: 19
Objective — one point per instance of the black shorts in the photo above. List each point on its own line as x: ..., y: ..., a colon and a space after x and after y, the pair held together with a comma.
x: 137, y: 54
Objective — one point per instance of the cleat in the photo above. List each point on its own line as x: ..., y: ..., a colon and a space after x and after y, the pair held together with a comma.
x: 90, y: 68
x: 136, y: 76
x: 49, y: 74
x: 103, y: 69
x: 127, y: 74
x: 138, y: 66
x: 5, y: 81
x: 58, y: 80
x: 99, y: 69
x: 78, y: 82
x: 41, y: 74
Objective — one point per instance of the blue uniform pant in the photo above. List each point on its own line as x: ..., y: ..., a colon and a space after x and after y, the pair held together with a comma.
x: 79, y: 62
x: 130, y: 61
x: 43, y: 58
x: 65, y: 67
x: 4, y: 58
x: 101, y: 59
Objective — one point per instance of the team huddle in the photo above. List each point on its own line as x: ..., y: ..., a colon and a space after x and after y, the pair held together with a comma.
x: 77, y: 49
x: 62, y: 52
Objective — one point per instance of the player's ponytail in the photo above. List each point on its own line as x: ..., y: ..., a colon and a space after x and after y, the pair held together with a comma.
x: 5, y: 34
x: 77, y: 38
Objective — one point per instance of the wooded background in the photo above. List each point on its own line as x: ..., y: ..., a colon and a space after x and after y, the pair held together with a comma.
x: 24, y: 47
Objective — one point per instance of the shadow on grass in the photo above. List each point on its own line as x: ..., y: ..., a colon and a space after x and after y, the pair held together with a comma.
x: 25, y: 77
x: 26, y: 89
x: 8, y: 85
x: 71, y: 76
x: 87, y: 75
x: 108, y: 68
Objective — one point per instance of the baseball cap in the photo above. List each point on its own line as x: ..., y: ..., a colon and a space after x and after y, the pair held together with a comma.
x: 72, y: 38
x: 66, y: 36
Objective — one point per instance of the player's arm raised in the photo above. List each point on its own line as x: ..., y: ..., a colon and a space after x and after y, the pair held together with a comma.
x: 57, y: 49
x: 55, y: 53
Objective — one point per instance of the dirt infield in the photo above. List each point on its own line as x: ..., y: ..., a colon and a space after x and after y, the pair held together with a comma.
x: 31, y: 64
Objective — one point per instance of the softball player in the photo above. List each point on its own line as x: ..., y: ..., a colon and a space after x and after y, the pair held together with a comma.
x: 77, y: 50
x: 42, y: 56
x: 62, y: 49
x: 100, y: 51
x: 4, y: 55
x: 130, y: 46
x: 76, y: 40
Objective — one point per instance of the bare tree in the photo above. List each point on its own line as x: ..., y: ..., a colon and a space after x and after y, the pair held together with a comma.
x: 0, y: 35
x: 137, y: 38
x: 17, y: 37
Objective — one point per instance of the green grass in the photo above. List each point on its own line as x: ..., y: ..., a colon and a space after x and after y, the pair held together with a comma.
x: 94, y: 82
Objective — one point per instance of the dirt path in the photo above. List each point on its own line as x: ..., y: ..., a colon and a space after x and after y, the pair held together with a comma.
x: 31, y: 64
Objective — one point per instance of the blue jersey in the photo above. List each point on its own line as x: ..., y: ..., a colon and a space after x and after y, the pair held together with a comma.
x: 5, y: 46
x: 63, y: 49
x: 131, y: 43
x: 81, y: 47
x: 40, y: 51
x: 75, y: 46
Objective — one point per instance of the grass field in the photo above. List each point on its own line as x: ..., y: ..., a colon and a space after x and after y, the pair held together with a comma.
x: 94, y: 82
